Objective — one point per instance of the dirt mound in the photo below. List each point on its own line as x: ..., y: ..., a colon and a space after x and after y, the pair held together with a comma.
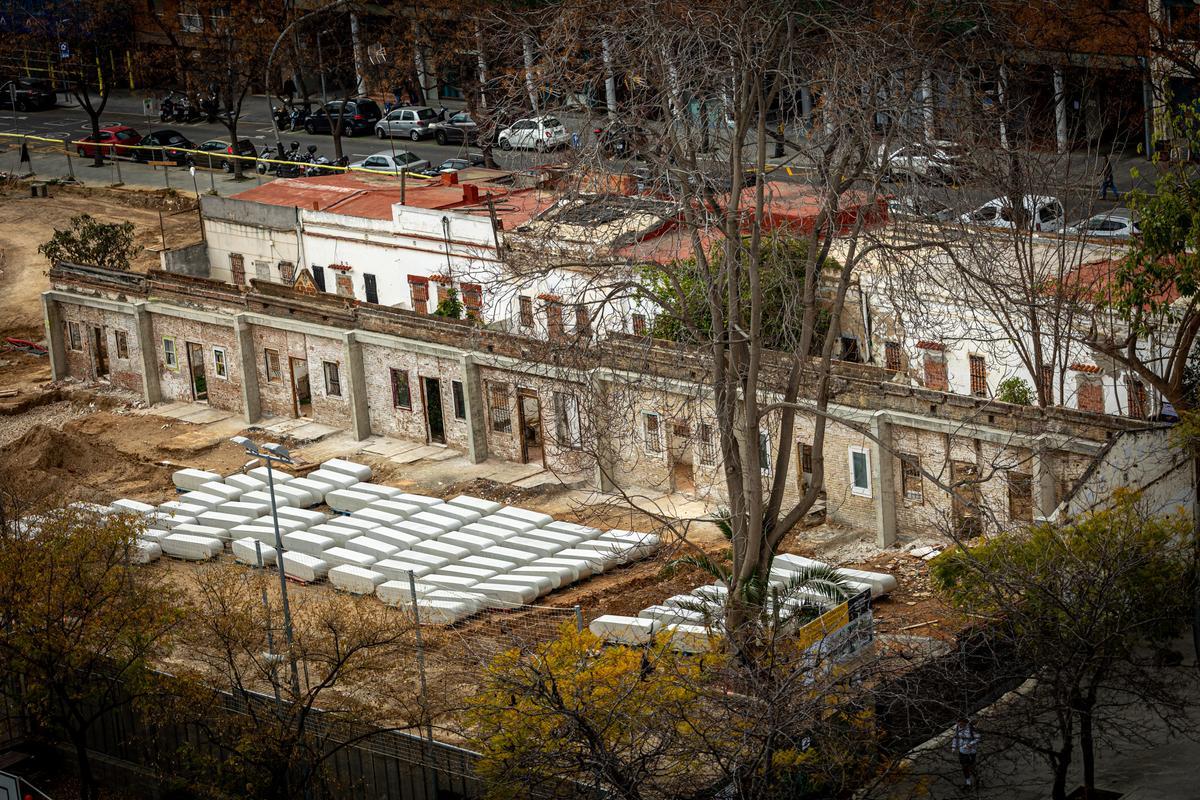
x: 69, y: 465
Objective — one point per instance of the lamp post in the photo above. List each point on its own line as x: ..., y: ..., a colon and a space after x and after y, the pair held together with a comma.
x: 270, y: 453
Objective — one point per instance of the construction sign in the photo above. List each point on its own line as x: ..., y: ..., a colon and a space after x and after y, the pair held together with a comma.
x: 841, y: 632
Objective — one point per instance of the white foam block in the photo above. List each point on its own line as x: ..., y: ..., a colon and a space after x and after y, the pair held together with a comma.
x: 127, y: 506
x: 316, y: 489
x: 189, y: 480
x: 715, y: 592
x: 377, y: 516
x: 573, y: 528
x: 474, y: 573
x: 538, y: 546
x: 563, y: 540
x: 398, y: 592
x: 467, y: 540
x: 144, y: 551
x: 599, y: 561
x: 525, y: 515
x: 251, y: 508
x: 297, y: 496
x: 505, y: 594
x: 444, y: 612
x: 355, y: 580
x: 308, y: 516
x: 434, y: 547
x: 265, y: 497
x: 692, y: 638
x: 338, y: 533
x: 360, y: 472
x: 304, y: 567
x: 437, y: 520
x: 424, y: 501
x: 880, y: 582
x: 222, y: 489
x: 483, y: 562
x: 338, y: 480
x: 169, y: 521
x: 285, y: 525
x: 623, y: 630
x: 172, y: 507
x: 355, y: 524
x: 580, y: 567
x: 556, y: 576
x: 246, y: 483
x: 394, y: 506
x: 207, y: 531
x: 219, y: 519
x: 209, y: 501
x: 508, y: 523
x: 348, y: 500
x: 261, y: 533
x: 447, y: 581
x: 398, y: 539
x: 431, y: 560
x: 277, y: 475
x: 541, y: 584
x: 378, y: 490
x: 422, y: 532
x: 154, y: 534
x: 620, y: 552
x: 648, y: 541
x: 307, y: 542
x: 497, y: 535
x: 375, y: 548
x: 191, y: 547
x: 517, y: 557
x: 477, y: 504
x: 398, y: 569
x: 671, y: 615
x: 475, y: 601
x: 465, y: 515
x: 246, y: 552
x: 335, y: 556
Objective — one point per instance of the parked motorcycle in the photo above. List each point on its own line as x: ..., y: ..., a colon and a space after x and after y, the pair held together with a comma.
x: 186, y: 111
x: 280, y: 117
x: 298, y: 117
x: 166, y: 108
x: 209, y: 108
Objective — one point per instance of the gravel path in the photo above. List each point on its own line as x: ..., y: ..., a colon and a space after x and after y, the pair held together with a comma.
x: 54, y: 415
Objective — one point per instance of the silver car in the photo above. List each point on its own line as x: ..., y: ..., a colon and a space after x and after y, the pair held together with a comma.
x: 414, y: 122
x: 400, y: 161
x: 1116, y: 223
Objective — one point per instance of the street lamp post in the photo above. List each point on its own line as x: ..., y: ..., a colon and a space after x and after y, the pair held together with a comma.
x: 270, y: 453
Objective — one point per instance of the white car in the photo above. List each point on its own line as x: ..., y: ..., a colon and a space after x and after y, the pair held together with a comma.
x: 1117, y: 223
x: 400, y: 161
x: 535, y: 133
x: 1045, y: 214
x: 935, y: 160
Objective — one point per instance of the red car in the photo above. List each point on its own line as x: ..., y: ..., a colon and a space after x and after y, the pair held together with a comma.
x: 113, y: 138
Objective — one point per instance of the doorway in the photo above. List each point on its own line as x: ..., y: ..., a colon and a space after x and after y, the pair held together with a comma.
x: 964, y: 477
x: 683, y: 474
x: 301, y: 390
x: 435, y: 422
x: 100, y: 348
x: 195, y: 356
x: 804, y: 475
x: 529, y: 418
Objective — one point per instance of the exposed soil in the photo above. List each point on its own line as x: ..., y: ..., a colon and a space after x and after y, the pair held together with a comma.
x: 26, y: 222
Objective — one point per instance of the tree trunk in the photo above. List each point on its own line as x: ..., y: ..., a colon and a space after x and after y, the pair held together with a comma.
x: 1062, y: 763
x: 1196, y: 556
x: 98, y: 154
x: 236, y: 163
x: 87, y: 782
x: 1087, y: 749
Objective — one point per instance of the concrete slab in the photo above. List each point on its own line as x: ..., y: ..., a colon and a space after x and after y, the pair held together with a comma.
x: 173, y: 410
x: 312, y: 432
x: 386, y: 447
x: 205, y: 415
x: 445, y: 454
x: 418, y: 454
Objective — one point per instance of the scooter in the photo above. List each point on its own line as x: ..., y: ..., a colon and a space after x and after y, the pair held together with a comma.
x: 298, y: 117
x: 166, y: 108
x: 185, y: 111
x: 280, y: 117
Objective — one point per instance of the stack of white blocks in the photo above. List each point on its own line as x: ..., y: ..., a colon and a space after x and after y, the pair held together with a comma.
x: 463, y: 556
x: 692, y: 620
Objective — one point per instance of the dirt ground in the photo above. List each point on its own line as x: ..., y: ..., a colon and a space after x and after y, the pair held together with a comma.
x: 26, y: 222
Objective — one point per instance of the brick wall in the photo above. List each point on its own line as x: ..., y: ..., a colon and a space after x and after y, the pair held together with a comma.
x: 176, y: 384
x: 411, y: 423
x: 123, y: 372
x: 1090, y: 395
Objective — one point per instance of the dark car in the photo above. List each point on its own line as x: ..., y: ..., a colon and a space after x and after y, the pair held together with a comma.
x: 27, y: 94
x: 113, y: 140
x: 620, y: 141
x: 459, y: 128
x: 358, y: 117
x: 216, y: 154
x: 456, y: 164
x: 166, y: 145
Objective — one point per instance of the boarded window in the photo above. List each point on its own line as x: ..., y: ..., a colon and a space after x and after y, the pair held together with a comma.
x: 122, y: 344
x: 220, y: 363
x: 401, y: 393
x: 287, y: 272
x: 345, y: 286
x: 74, y: 337
x: 443, y: 291
x: 554, y: 319
x: 1020, y: 496
x: 652, y: 432
x: 333, y: 379
x: 525, y: 304
x: 708, y: 444
x: 237, y: 266
x: 910, y: 478
x: 472, y: 297
x: 583, y: 321
x: 498, y: 406
x: 566, y: 420
x: 891, y: 355
x: 1089, y: 395
x: 370, y: 288
x: 318, y: 275
x: 639, y: 324
x: 271, y: 365
x: 460, y: 401
x: 169, y: 357
x: 418, y: 290
x: 979, y: 386
x: 935, y: 373
x: 1136, y: 391
x: 262, y: 270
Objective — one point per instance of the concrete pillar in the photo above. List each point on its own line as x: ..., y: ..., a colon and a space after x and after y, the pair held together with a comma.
x: 55, y: 333
x: 248, y: 368
x: 883, y: 477
x: 1060, y: 111
x: 477, y: 445
x: 356, y: 386
x: 149, y: 350
x: 610, y: 79
x: 1044, y: 499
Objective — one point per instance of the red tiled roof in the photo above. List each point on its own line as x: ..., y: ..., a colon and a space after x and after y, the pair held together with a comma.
x: 925, y: 344
x: 1089, y: 368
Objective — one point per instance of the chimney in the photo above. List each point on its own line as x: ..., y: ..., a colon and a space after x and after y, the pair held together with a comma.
x: 315, y: 206
x: 470, y: 193
x: 449, y: 178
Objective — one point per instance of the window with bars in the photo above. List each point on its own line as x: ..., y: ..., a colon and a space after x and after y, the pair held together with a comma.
x: 170, y: 358
x: 979, y: 386
x: 639, y: 324
x: 583, y: 320
x: 443, y: 291
x: 333, y: 379
x: 806, y: 465
x: 220, y: 363
x: 708, y: 445
x: 1136, y: 391
x: 271, y: 365
x: 566, y: 420
x: 472, y: 298
x: 498, y: 406
x: 1020, y: 496
x: 460, y: 401
x: 418, y: 290
x: 401, y: 392
x: 237, y: 266
x: 525, y: 310
x: 122, y: 344
x: 891, y: 356
x: 554, y: 319
x: 911, y: 485
x: 74, y: 337
x: 652, y: 432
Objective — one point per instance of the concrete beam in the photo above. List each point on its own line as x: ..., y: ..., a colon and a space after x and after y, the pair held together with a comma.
x: 1044, y: 491
x: 884, y: 479
x: 52, y: 314
x: 476, y: 409
x: 356, y: 384
x: 248, y: 367
x: 148, y: 347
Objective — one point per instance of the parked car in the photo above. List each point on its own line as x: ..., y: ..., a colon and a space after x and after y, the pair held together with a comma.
x: 1116, y: 223
x: 215, y: 154
x: 619, y: 140
x: 414, y: 122
x: 456, y: 164
x: 456, y: 130
x: 1042, y: 213
x: 918, y: 207
x: 358, y: 117
x: 386, y: 161
x: 27, y: 94
x: 166, y: 144
x: 535, y: 133
x: 113, y: 140
x: 934, y: 161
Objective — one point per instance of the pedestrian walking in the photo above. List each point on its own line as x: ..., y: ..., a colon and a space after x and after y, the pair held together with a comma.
x: 1107, y: 182
x: 965, y: 744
